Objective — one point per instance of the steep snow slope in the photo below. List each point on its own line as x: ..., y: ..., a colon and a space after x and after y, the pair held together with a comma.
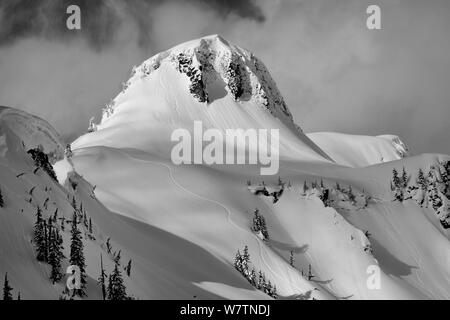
x: 32, y: 131
x: 156, y: 254
x: 360, y: 151
x: 212, y: 207
x: 208, y: 80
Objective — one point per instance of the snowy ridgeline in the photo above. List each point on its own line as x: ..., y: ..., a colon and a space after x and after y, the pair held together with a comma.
x: 429, y: 190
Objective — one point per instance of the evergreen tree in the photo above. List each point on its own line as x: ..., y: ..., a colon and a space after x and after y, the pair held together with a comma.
x: 39, y: 237
x: 45, y: 227
x: 108, y: 245
x: 261, y: 280
x: 259, y: 224
x: 405, y: 179
x: 68, y: 151
x: 395, y: 178
x: 253, y: 278
x: 74, y: 203
x: 245, y: 261
x: 268, y: 288
x: 63, y: 223
x: 7, y: 290
x: 305, y: 187
x: 397, y: 185
x: 264, y: 231
x: 41, y: 160
x: 421, y: 180
x: 90, y: 226
x: 238, y: 261
x: 55, y: 216
x: 77, y: 255
x: 310, y: 275
x: 56, y: 255
x: 18, y: 296
x: 117, y: 257
x: 274, y: 292
x: 85, y: 220
x: 116, y: 288
x: 351, y: 196
x: 102, y: 278
x: 128, y: 268
x: 2, y: 202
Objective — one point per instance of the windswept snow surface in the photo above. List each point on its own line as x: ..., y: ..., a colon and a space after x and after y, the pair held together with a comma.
x: 32, y: 131
x: 182, y: 225
x: 360, y: 151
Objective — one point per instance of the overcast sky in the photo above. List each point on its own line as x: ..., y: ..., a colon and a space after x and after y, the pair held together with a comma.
x: 335, y: 74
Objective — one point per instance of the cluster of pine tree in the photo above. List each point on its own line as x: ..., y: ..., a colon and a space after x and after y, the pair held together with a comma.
x: 259, y: 225
x: 433, y: 189
x: 41, y: 161
x: 399, y: 184
x: 242, y: 262
x: 50, y: 247
x: 323, y: 192
x: 77, y: 254
x: 115, y: 289
x: 49, y: 244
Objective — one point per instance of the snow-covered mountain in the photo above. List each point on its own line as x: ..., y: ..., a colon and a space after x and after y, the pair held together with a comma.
x: 207, y: 80
x: 335, y: 219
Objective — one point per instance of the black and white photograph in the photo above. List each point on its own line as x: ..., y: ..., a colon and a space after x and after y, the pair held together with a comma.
x: 212, y: 150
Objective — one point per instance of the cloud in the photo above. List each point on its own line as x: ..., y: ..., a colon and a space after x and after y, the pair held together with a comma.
x: 333, y: 72
x: 101, y: 18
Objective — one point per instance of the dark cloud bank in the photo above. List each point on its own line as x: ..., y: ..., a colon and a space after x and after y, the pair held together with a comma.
x: 334, y: 73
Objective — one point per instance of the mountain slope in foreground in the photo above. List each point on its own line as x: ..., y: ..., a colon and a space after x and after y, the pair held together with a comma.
x: 182, y: 226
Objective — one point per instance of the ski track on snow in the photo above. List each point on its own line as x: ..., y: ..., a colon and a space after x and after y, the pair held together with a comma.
x: 227, y: 210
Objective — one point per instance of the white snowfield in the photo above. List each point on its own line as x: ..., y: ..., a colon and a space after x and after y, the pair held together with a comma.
x: 33, y: 132
x: 182, y: 225
x: 360, y: 151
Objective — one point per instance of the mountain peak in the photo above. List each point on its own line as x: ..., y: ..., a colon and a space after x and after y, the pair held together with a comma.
x: 210, y: 80
x: 212, y: 61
